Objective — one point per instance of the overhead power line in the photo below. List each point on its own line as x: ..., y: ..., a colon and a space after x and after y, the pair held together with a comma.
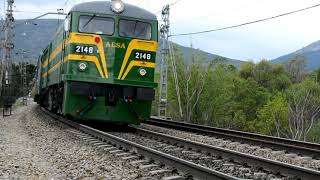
x: 247, y: 23
x: 37, y: 12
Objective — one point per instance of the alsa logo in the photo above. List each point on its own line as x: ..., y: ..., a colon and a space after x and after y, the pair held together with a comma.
x: 115, y: 45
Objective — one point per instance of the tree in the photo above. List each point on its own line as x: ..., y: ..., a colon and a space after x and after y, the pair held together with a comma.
x: 188, y: 81
x: 296, y: 68
x: 314, y: 134
x: 304, y: 108
x: 273, y: 117
x: 216, y: 101
x: 270, y: 76
x: 247, y: 70
x: 16, y: 79
x: 248, y: 98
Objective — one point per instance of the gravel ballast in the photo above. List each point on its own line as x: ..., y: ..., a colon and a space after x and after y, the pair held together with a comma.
x: 281, y: 156
x: 33, y: 146
x: 210, y: 161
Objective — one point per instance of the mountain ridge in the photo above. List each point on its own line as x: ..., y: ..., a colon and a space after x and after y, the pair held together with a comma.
x: 311, y: 53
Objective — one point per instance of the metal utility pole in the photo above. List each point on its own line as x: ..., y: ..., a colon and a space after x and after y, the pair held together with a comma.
x: 7, y: 46
x: 164, y: 34
x: 6, y: 63
x: 23, y: 73
x: 24, y: 81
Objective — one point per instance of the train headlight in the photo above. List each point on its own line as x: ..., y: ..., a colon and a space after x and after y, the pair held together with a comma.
x: 142, y: 72
x: 117, y: 6
x: 83, y: 66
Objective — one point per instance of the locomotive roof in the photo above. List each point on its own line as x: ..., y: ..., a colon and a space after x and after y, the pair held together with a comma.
x: 104, y: 7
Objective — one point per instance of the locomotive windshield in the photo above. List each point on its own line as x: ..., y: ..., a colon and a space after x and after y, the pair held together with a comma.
x: 96, y: 25
x: 135, y: 29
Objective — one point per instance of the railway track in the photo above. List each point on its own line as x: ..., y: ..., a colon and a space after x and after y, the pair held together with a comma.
x: 274, y: 143
x: 188, y: 168
x: 220, y: 158
x: 193, y: 159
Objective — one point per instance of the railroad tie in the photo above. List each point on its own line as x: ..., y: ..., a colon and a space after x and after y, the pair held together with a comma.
x: 148, y: 166
x: 88, y: 138
x: 291, y: 156
x: 278, y: 153
x: 174, y: 178
x: 158, y: 172
x: 139, y: 162
x: 99, y: 143
x: 74, y: 132
x: 187, y: 152
x: 178, y: 149
x: 253, y: 148
x: 109, y: 148
x: 227, y: 165
x: 259, y: 175
x: 170, y: 147
x: 130, y: 157
x: 94, y: 142
x: 115, y: 151
x: 123, y: 154
x: 83, y: 136
x: 105, y: 146
x: 206, y: 158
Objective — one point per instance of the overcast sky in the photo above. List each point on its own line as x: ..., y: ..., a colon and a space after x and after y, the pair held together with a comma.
x: 268, y: 40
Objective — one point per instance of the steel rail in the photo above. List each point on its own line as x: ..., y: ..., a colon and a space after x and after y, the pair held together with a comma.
x: 195, y: 170
x: 254, y: 161
x: 293, y: 146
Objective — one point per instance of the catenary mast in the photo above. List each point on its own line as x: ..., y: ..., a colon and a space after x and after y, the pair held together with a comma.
x: 7, y: 45
x: 164, y: 34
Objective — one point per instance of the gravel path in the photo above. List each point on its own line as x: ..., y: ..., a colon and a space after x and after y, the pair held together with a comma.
x: 32, y: 146
x: 282, y: 156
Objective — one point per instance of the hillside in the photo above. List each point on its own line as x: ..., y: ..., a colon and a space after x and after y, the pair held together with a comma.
x: 310, y: 52
x: 33, y: 37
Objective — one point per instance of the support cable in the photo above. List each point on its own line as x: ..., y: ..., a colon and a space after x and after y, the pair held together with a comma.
x: 247, y: 23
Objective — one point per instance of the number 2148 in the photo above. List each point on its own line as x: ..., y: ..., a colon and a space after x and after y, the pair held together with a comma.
x: 145, y: 56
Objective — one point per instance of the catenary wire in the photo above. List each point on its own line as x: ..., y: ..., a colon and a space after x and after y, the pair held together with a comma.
x: 247, y: 23
x: 36, y: 12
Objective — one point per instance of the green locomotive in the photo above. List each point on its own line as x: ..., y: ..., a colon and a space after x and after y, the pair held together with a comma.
x: 100, y: 64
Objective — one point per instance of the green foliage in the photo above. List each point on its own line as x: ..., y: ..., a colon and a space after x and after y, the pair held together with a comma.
x: 248, y: 98
x: 270, y: 76
x: 272, y: 117
x: 15, y: 88
x: 216, y: 100
x: 262, y: 98
x: 314, y: 134
x: 304, y: 108
x: 296, y: 68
